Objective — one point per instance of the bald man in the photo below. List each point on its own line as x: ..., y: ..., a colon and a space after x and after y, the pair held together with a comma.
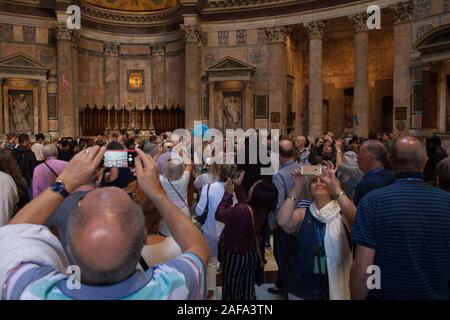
x: 105, y: 236
x: 283, y: 242
x: 404, y: 231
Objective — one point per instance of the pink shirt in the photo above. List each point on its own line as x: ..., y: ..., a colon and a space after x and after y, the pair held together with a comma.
x: 43, y: 177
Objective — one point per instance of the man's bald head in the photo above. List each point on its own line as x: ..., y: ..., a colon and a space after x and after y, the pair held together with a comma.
x: 286, y: 149
x: 408, y: 154
x: 105, y: 236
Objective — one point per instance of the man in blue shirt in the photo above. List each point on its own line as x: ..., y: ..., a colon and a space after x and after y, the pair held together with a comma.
x: 372, y: 157
x: 404, y: 230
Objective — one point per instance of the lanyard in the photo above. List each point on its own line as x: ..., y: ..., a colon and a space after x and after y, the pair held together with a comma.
x: 320, y: 236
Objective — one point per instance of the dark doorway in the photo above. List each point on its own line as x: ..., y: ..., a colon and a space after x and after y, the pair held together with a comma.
x: 387, y: 113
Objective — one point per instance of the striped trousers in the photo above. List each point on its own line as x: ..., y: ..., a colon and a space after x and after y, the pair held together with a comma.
x: 238, y: 275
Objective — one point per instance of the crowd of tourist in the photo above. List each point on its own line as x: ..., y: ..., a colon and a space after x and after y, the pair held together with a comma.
x: 165, y: 229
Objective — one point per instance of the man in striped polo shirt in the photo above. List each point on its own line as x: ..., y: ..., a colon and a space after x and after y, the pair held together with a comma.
x: 404, y: 230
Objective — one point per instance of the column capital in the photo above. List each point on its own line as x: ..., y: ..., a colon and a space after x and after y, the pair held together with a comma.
x: 111, y: 49
x: 277, y: 34
x: 360, y: 22
x: 431, y: 66
x: 402, y: 11
x: 62, y: 32
x: 158, y: 50
x: 315, y: 29
x: 191, y: 33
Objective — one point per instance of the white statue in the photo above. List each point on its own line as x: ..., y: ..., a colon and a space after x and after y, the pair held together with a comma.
x: 232, y: 113
x: 20, y: 110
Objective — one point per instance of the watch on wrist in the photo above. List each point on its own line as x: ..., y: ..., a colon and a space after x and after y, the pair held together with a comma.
x: 59, y: 187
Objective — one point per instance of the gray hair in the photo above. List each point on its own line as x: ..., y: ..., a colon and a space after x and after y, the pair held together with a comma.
x: 376, y: 149
x: 408, y: 158
x: 49, y: 150
x: 132, y: 225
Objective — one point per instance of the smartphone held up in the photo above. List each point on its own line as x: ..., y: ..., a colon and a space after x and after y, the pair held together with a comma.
x: 119, y: 159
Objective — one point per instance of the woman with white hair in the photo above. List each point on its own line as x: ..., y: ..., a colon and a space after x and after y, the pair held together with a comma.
x: 174, y: 180
x: 322, y: 251
x: 47, y: 172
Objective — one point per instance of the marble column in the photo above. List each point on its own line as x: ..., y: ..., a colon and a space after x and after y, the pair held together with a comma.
x: 192, y: 75
x: 249, y: 103
x: 361, y: 82
x: 158, y: 75
x: 277, y: 73
x: 402, y: 62
x: 111, y: 60
x: 44, y: 106
x: 66, y: 114
x: 298, y: 89
x: 315, y: 30
x: 212, y: 105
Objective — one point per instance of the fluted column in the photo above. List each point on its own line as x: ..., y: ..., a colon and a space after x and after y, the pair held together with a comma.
x: 315, y: 30
x: 67, y: 125
x: 361, y: 82
x: 2, y: 128
x: 277, y: 72
x: 192, y: 74
x: 402, y: 61
x: 111, y: 56
x: 158, y: 74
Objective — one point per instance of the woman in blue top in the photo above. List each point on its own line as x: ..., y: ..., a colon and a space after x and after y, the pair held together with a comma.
x: 322, y: 251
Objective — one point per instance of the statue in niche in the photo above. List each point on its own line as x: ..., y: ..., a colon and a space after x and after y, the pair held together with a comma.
x: 232, y: 112
x: 20, y: 110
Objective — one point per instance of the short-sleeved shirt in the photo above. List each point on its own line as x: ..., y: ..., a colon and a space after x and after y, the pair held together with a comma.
x: 373, y: 179
x: 408, y: 226
x: 36, y: 273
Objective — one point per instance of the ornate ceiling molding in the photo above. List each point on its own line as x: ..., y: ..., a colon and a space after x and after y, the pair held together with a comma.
x: 130, y: 18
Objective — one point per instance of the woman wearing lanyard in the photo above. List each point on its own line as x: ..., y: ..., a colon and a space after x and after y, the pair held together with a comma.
x: 322, y: 251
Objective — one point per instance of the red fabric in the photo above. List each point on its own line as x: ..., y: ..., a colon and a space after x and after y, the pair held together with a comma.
x: 238, y: 235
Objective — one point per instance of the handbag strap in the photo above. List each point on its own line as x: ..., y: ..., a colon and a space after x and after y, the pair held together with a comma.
x: 258, y: 249
x: 51, y: 169
x: 207, y: 199
x: 178, y: 194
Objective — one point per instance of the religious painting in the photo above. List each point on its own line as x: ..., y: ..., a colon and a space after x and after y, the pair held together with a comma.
x: 232, y: 110
x: 261, y: 106
x: 136, y: 80
x: 21, y: 111
x: 348, y: 108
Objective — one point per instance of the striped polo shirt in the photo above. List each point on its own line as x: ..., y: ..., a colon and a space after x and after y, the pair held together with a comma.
x: 408, y: 226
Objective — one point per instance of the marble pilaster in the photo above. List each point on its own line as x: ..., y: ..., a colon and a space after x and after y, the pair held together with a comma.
x: 192, y: 74
x: 249, y: 103
x: 315, y: 31
x: 277, y: 70
x: 111, y: 56
x: 361, y: 82
x: 158, y: 75
x: 212, y: 105
x: 402, y: 62
x: 66, y: 107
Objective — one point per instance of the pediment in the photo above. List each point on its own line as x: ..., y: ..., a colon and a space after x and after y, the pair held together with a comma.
x: 231, y: 64
x: 20, y: 60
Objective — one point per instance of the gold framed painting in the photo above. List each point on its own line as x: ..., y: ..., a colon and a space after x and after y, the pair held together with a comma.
x: 136, y: 80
